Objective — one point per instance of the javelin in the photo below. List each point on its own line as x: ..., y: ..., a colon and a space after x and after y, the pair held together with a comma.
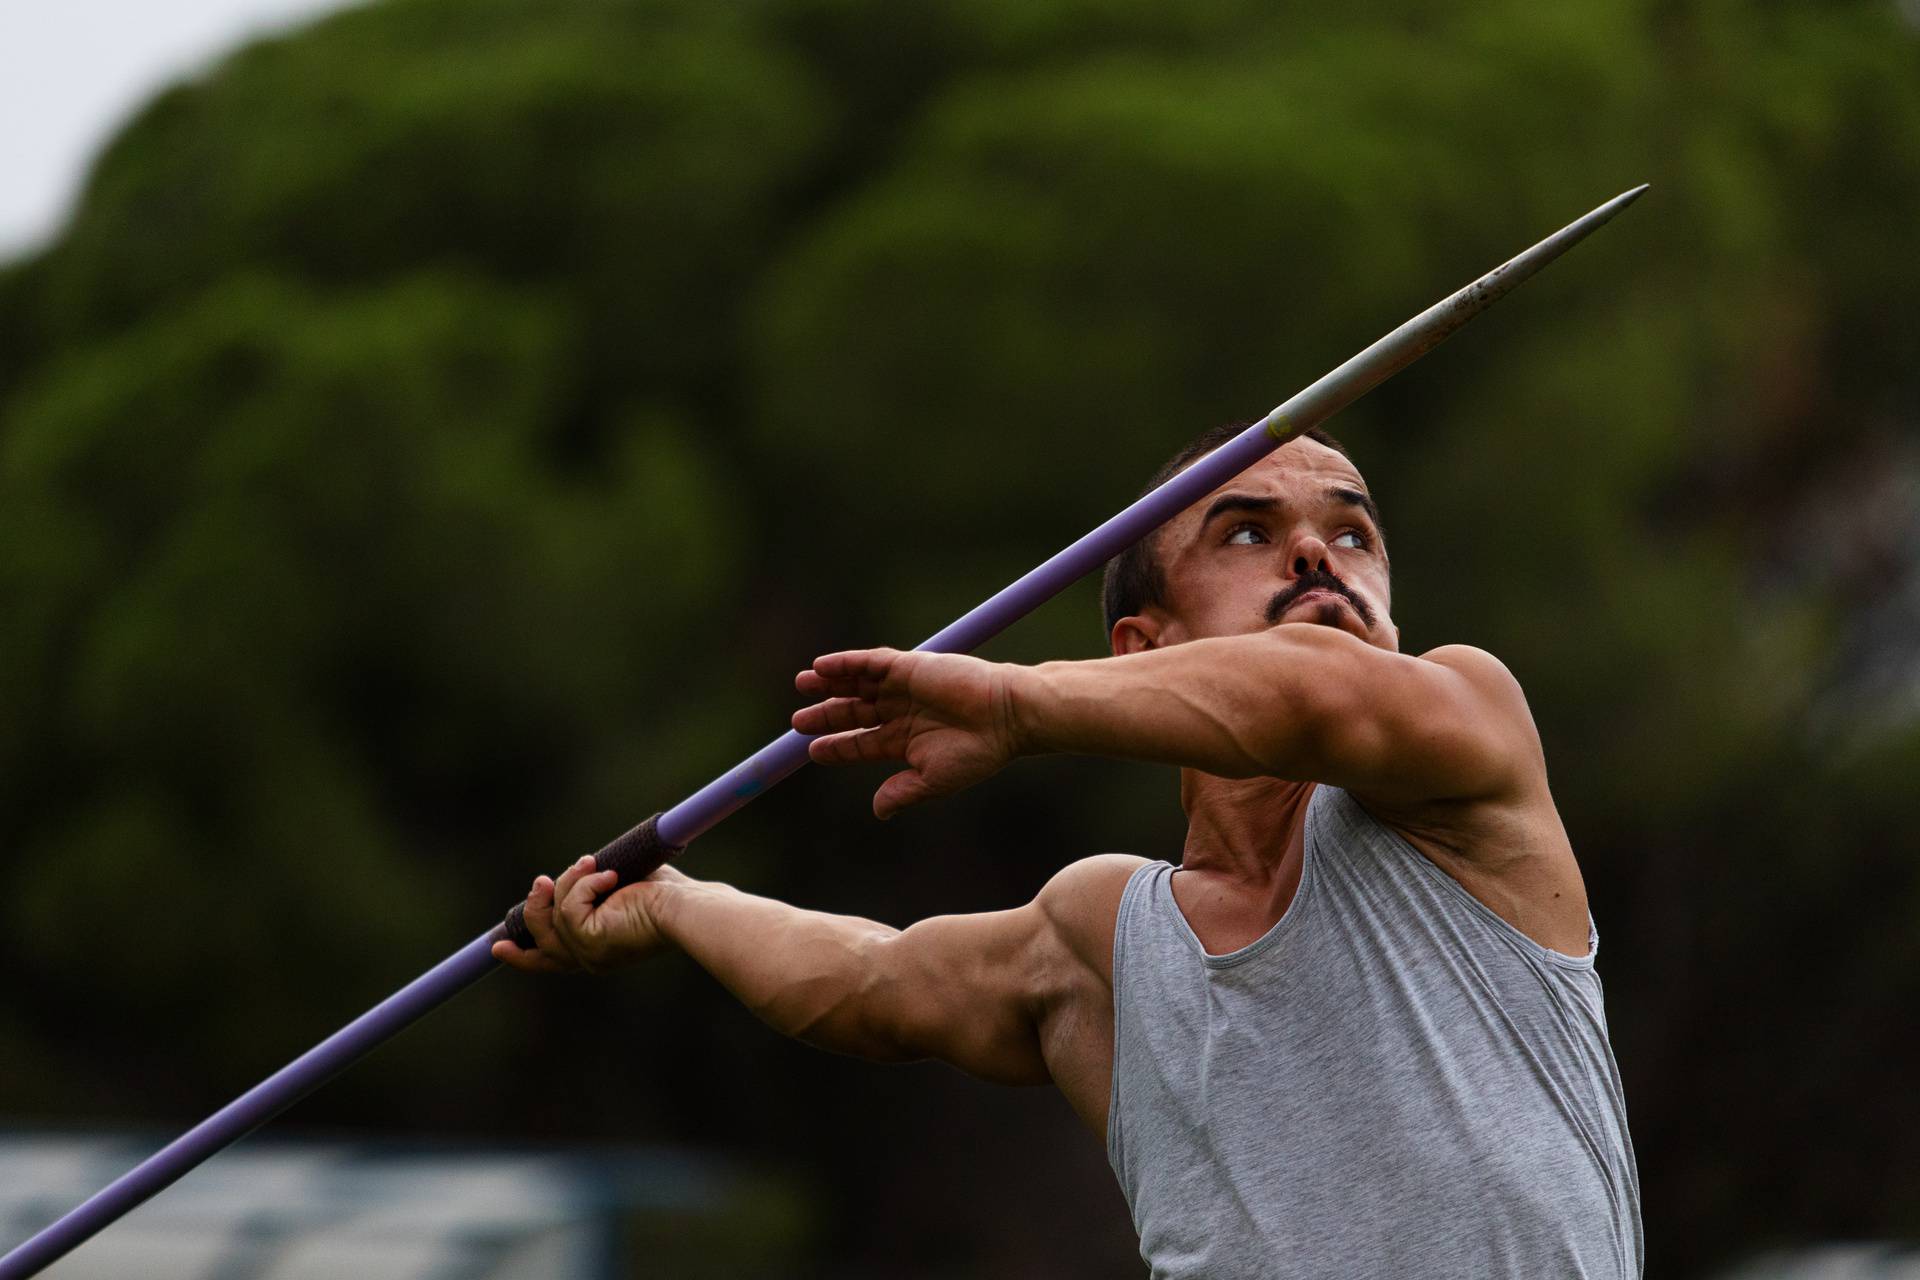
x: 644, y: 849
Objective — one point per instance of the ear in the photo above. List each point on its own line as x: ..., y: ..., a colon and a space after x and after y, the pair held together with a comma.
x: 1135, y: 635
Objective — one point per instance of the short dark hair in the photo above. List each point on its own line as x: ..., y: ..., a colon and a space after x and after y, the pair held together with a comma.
x: 1134, y: 578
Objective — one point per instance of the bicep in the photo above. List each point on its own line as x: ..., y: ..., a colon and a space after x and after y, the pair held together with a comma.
x: 987, y: 993
x: 1450, y: 725
x: 963, y: 989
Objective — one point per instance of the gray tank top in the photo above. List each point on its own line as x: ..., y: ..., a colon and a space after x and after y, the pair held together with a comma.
x: 1392, y: 1081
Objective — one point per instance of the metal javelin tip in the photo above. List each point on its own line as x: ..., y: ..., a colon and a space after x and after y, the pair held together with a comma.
x: 1431, y: 327
x: 1503, y: 279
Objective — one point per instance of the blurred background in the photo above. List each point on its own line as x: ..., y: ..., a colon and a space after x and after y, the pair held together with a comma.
x: 436, y: 430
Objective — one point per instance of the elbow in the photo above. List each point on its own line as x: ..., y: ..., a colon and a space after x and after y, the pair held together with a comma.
x: 1310, y: 722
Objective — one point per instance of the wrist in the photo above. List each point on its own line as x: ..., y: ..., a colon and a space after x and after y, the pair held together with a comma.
x: 666, y: 905
x: 675, y: 905
x: 1027, y: 698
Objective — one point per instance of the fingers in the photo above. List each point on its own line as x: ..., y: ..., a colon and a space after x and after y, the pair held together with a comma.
x: 568, y: 913
x: 582, y: 896
x: 889, y: 742
x: 871, y: 664
x: 562, y: 917
x: 507, y: 952
x: 551, y: 954
x: 856, y: 673
x: 853, y: 688
x: 556, y: 914
x: 815, y: 685
x: 583, y: 865
x: 836, y: 715
x: 538, y: 917
x: 580, y: 917
x: 901, y: 791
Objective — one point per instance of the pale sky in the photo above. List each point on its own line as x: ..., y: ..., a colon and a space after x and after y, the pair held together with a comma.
x: 72, y: 71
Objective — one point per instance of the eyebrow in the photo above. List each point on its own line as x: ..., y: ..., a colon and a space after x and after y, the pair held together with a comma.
x: 1247, y: 502
x: 1355, y: 498
x: 1237, y: 502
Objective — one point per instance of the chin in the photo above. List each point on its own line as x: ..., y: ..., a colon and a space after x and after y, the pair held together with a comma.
x: 1328, y: 614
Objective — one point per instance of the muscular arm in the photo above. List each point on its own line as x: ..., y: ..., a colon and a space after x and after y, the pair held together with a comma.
x: 1308, y: 703
x: 999, y: 995
x: 965, y: 989
x: 1302, y: 702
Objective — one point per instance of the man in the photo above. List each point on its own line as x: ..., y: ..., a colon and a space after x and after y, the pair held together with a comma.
x: 1356, y: 1032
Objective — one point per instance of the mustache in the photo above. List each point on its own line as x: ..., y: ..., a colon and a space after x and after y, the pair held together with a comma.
x: 1317, y: 580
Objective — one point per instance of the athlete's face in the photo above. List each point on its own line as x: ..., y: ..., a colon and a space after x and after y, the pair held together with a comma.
x: 1292, y: 539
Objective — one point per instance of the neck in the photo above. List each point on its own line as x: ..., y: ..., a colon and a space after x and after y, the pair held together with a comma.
x: 1240, y: 827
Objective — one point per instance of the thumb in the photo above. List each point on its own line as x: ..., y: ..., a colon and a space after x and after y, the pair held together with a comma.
x: 908, y: 787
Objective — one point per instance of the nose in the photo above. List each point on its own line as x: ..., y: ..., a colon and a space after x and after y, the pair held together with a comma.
x: 1310, y: 554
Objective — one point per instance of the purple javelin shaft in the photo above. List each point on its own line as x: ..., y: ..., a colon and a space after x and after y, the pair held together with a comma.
x: 701, y: 811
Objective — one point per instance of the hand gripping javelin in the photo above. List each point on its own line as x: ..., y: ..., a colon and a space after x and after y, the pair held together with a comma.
x: 644, y: 849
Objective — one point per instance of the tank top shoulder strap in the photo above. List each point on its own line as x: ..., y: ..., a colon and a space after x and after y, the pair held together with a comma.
x: 1136, y: 910
x: 1134, y: 954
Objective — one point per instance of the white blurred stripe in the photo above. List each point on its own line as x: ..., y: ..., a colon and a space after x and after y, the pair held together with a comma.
x: 73, y: 71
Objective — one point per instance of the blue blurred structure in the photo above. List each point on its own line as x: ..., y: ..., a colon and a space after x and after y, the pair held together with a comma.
x: 375, y: 1211
x: 1861, y: 1260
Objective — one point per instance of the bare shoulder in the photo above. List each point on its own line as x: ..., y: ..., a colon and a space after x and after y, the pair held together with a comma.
x: 1081, y: 901
x: 1488, y: 682
x: 1506, y: 846
x: 1478, y: 667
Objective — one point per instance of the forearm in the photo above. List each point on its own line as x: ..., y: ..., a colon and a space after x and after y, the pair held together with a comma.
x: 1236, y: 706
x: 806, y: 974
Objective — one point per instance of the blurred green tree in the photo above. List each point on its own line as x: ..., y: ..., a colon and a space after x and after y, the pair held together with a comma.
x: 440, y: 431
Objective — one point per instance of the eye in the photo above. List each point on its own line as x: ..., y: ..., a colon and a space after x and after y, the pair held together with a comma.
x: 1353, y: 539
x: 1246, y: 535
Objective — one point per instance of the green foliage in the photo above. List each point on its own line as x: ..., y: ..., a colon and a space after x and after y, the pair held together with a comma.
x: 439, y: 433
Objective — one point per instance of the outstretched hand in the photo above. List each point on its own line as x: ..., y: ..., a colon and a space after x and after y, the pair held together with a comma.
x: 949, y: 718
